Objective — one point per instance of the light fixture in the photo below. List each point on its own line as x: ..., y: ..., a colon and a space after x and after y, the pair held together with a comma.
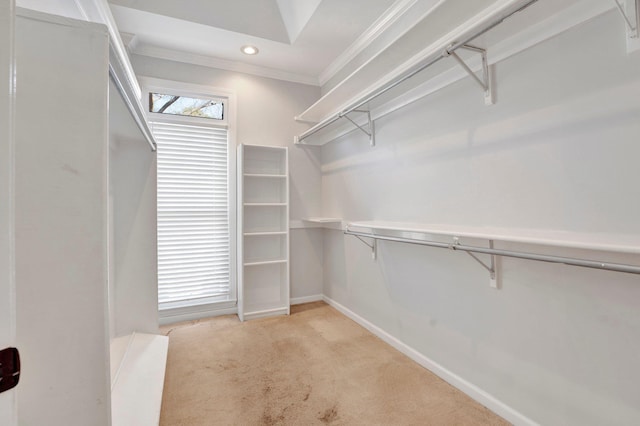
x: 249, y: 50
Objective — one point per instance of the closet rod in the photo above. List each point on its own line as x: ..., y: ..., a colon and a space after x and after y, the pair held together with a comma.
x: 408, y: 74
x: 132, y: 110
x: 617, y: 267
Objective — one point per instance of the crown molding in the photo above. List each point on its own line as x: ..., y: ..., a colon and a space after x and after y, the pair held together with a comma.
x: 212, y: 62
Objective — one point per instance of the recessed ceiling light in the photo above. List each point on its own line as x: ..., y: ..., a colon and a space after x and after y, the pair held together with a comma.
x: 249, y: 50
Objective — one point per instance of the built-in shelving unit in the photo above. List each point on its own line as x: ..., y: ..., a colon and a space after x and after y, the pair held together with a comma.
x: 481, y: 240
x: 455, y: 39
x: 263, y: 231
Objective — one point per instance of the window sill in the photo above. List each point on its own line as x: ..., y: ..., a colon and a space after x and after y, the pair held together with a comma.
x: 174, y: 314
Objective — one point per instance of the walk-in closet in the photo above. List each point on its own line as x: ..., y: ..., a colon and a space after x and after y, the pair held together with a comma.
x: 307, y: 212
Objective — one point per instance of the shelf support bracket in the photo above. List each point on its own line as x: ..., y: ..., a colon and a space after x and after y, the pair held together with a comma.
x: 371, y: 131
x: 491, y: 267
x: 373, y: 246
x: 632, y: 22
x: 486, y: 82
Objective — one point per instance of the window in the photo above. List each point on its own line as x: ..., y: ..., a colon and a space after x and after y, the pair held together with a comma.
x: 195, y: 226
x: 186, y: 106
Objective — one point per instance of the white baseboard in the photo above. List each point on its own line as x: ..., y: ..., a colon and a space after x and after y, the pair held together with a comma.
x: 453, y: 379
x: 306, y: 299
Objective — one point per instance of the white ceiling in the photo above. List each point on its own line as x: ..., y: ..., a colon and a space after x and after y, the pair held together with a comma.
x: 298, y: 39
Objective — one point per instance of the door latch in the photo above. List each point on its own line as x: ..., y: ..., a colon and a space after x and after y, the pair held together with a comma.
x: 9, y: 369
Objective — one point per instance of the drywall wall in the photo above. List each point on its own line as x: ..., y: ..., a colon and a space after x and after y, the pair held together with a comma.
x: 61, y: 221
x: 559, y: 150
x: 133, y: 282
x: 265, y: 111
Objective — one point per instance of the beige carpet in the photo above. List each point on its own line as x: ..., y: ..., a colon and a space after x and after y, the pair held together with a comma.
x: 314, y: 367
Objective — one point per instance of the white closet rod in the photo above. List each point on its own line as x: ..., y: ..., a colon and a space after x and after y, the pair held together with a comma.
x: 408, y: 74
x: 142, y: 125
x: 594, y: 264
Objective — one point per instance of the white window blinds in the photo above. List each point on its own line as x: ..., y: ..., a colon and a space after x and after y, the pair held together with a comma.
x: 193, y: 214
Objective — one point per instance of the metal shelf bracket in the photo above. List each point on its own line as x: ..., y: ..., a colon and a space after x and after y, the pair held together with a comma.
x: 633, y: 22
x: 486, y: 83
x: 371, y: 131
x: 373, y: 246
x: 491, y: 267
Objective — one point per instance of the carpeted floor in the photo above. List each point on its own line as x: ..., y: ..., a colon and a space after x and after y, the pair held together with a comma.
x: 314, y: 367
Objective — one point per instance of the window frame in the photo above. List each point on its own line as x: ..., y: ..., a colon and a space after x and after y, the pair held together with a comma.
x: 156, y: 115
x: 183, y: 312
x: 178, y: 88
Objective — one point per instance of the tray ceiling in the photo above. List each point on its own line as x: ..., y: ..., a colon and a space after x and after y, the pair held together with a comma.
x: 297, y: 37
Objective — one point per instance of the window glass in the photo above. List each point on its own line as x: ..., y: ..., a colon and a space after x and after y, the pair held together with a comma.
x: 186, y: 106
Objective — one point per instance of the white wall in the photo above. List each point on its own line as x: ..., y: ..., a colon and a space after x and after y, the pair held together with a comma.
x: 265, y: 111
x: 54, y: 7
x: 61, y: 221
x: 133, y: 281
x: 7, y: 289
x: 559, y: 150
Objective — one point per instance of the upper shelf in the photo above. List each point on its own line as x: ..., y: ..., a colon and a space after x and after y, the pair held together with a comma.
x: 397, y: 75
x: 590, y: 241
x: 120, y: 68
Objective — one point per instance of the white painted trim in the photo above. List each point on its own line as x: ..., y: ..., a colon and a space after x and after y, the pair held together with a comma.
x: 223, y: 64
x: 382, y: 24
x: 188, y: 88
x: 191, y: 316
x: 306, y: 299
x: 9, y: 399
x: 544, y: 30
x: 227, y: 96
x: 450, y: 377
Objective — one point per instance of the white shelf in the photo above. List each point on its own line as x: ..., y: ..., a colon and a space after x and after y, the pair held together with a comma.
x: 259, y: 175
x: 317, y: 223
x: 258, y: 234
x: 266, y: 262
x: 136, y: 390
x: 448, y: 22
x: 322, y: 219
x: 620, y: 243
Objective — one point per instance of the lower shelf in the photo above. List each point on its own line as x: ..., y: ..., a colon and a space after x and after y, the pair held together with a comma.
x: 266, y: 313
x: 265, y: 289
x: 137, y: 379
